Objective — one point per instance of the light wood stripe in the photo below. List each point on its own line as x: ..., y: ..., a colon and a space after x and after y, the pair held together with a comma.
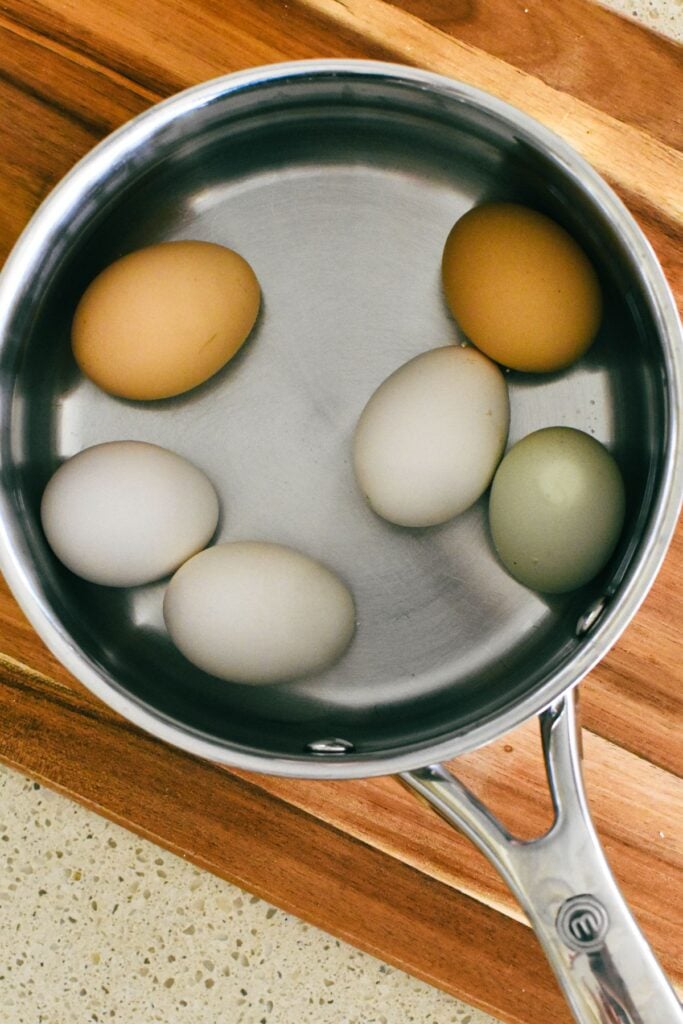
x: 629, y: 157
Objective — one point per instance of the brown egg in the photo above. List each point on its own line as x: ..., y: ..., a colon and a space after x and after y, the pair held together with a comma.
x: 162, y: 320
x: 521, y: 288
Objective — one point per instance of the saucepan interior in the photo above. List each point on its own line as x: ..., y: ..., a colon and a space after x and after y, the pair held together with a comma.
x: 339, y: 183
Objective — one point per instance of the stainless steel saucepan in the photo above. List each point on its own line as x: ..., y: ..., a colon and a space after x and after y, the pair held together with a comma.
x: 339, y: 182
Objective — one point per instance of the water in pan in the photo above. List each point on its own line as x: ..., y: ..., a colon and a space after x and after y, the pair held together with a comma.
x: 345, y: 230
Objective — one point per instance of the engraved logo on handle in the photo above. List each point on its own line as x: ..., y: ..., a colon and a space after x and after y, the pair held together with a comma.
x: 582, y: 923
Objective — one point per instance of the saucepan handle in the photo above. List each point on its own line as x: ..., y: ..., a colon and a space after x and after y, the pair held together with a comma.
x: 608, y: 972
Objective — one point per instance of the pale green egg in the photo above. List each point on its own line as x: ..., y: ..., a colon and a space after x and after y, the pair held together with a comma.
x: 556, y: 509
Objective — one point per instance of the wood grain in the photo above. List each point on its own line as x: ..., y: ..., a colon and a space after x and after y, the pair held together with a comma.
x: 80, y: 32
x: 638, y: 824
x: 364, y: 859
x: 73, y: 743
x: 635, y: 696
x: 101, y: 55
x: 202, y: 36
x: 574, y: 46
x: 234, y: 828
x: 614, y: 147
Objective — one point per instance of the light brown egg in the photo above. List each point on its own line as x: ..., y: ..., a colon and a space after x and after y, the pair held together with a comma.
x: 521, y: 288
x: 164, y: 319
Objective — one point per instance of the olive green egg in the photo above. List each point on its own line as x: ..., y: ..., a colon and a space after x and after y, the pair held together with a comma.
x: 556, y: 509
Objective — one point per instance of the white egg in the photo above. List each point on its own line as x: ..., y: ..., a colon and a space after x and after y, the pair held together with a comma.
x: 253, y: 612
x: 428, y: 442
x: 127, y: 513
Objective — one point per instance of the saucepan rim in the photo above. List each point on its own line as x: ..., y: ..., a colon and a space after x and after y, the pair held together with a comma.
x: 120, y: 148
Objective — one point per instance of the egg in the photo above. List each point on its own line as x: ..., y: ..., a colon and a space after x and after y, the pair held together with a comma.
x: 521, y: 288
x: 556, y: 509
x: 256, y: 612
x: 164, y: 319
x: 428, y: 441
x: 126, y: 513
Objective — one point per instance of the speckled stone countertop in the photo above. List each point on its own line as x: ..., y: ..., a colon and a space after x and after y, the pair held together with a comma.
x: 664, y: 16
x: 99, y: 925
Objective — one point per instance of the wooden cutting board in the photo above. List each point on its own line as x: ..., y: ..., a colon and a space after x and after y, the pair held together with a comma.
x: 364, y: 860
